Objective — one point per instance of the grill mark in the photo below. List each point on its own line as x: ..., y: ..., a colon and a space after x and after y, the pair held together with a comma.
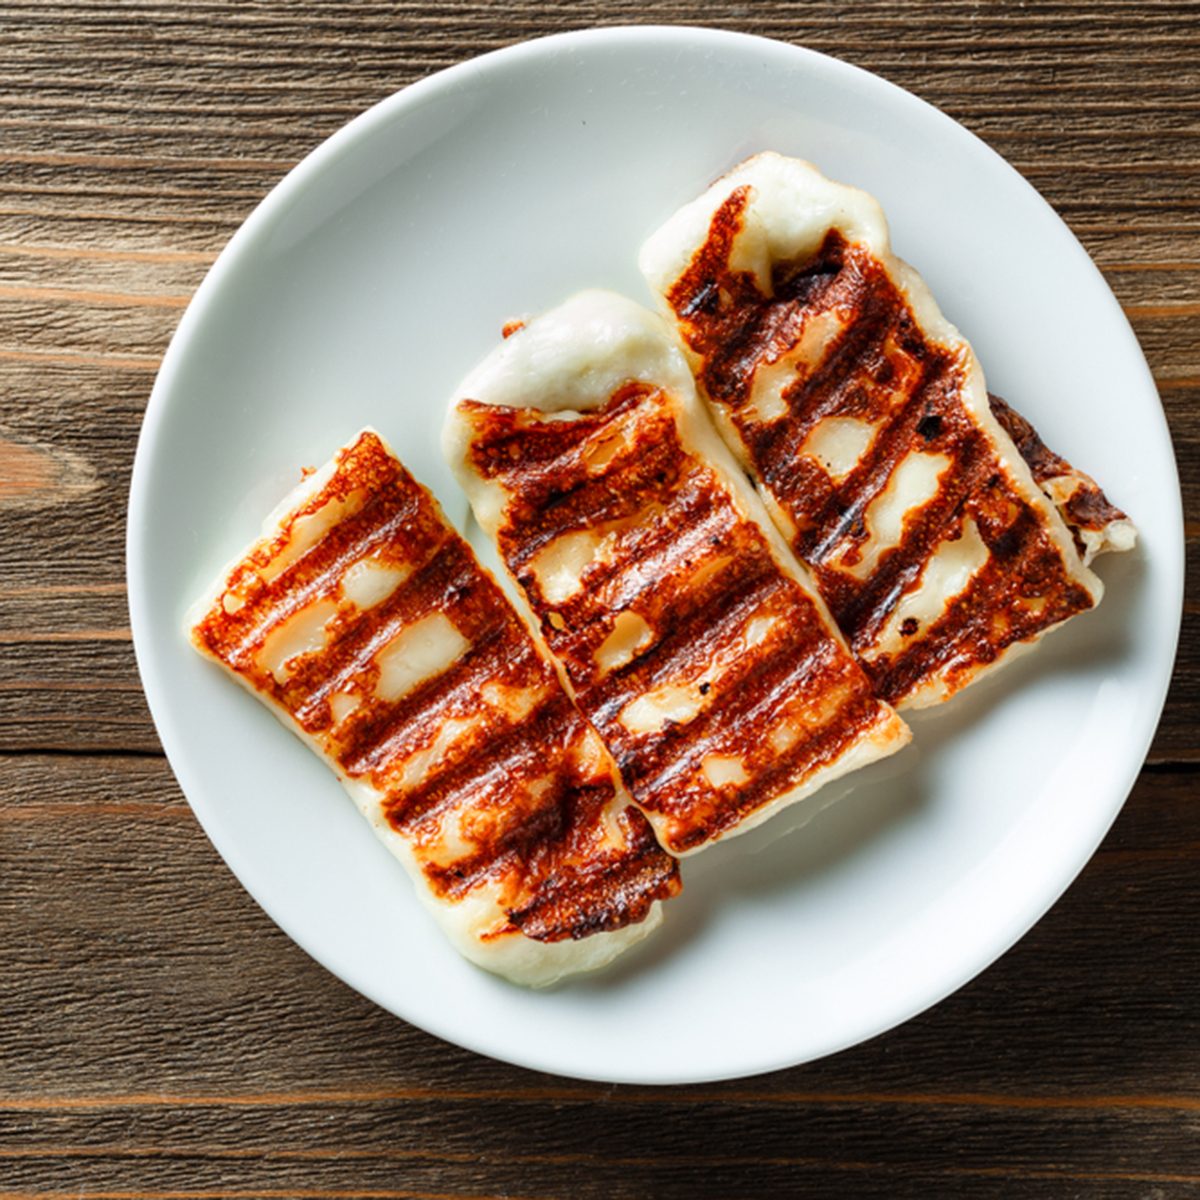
x: 490, y: 761
x: 699, y: 628
x: 508, y: 443
x: 387, y: 732
x: 710, y: 296
x: 846, y: 507
x: 375, y: 525
x: 794, y: 767
x: 763, y: 693
x: 647, y: 572
x: 559, y: 494
x: 382, y: 518
x: 484, y: 771
x: 645, y: 559
x: 438, y: 585
x: 960, y: 634
x: 574, y: 906
x: 929, y: 416
x: 862, y: 607
x: 359, y: 638
x: 645, y: 564
x: 648, y: 560
x: 834, y: 388
x: 755, y: 692
x: 752, y: 691
x: 559, y: 826
x: 516, y: 847
x: 645, y: 575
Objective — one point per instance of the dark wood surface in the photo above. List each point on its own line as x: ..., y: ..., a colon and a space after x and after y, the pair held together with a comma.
x: 159, y: 1037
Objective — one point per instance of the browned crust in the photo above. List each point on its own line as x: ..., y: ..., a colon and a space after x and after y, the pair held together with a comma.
x: 880, y: 369
x: 1087, y: 507
x: 543, y: 849
x: 694, y: 569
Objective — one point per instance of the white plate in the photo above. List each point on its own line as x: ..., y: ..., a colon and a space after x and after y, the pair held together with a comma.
x: 366, y: 285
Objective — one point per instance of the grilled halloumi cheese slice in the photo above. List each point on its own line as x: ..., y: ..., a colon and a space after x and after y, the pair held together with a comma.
x: 1096, y: 524
x: 689, y: 634
x: 863, y: 416
x: 364, y: 622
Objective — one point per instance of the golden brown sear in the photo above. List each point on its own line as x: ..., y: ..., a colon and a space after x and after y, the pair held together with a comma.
x: 711, y: 673
x: 365, y: 620
x: 853, y: 422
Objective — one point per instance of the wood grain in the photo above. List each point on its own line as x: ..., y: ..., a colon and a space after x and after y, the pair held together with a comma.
x: 160, y: 1037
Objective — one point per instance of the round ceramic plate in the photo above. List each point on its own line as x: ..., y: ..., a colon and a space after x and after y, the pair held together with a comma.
x: 362, y: 290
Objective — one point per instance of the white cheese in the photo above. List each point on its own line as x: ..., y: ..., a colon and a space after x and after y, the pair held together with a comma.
x: 416, y: 654
x: 301, y: 633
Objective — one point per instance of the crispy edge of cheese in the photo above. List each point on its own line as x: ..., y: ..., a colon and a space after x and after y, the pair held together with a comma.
x: 572, y: 359
x: 1117, y: 534
x: 1114, y: 537
x: 520, y: 959
x: 791, y: 207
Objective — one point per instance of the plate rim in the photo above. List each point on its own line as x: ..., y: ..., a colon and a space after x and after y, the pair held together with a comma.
x: 384, y: 111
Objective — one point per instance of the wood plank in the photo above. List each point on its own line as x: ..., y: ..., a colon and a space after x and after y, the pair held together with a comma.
x: 47, y: 35
x: 49, y: 325
x: 217, y: 1174
x: 33, y: 220
x: 68, y: 271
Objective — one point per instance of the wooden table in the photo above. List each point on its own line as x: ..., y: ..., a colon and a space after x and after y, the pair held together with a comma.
x: 159, y: 1037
